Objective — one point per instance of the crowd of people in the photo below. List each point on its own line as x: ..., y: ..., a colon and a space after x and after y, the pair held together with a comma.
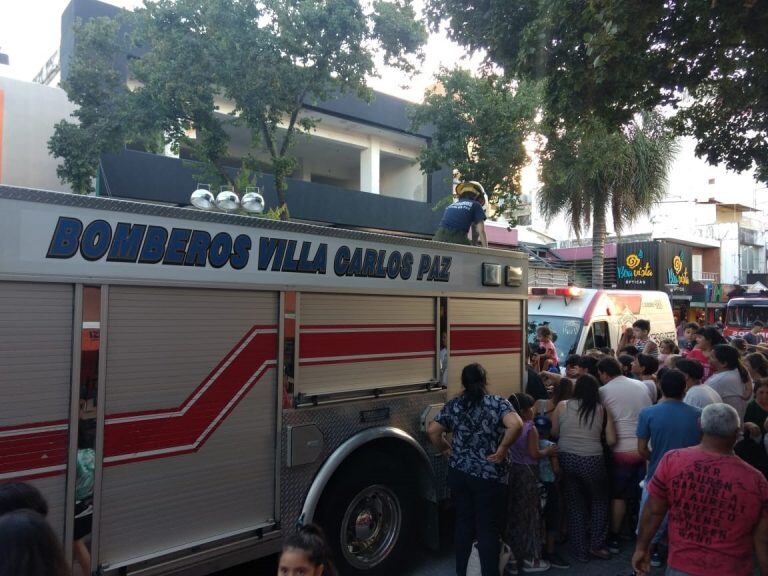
x: 659, y: 442
x: 663, y: 441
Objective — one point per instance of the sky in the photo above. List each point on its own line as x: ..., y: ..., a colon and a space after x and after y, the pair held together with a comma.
x: 30, y: 31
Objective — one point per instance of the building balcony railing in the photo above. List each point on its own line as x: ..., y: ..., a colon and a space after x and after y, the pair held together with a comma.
x: 154, y: 178
x: 706, y: 277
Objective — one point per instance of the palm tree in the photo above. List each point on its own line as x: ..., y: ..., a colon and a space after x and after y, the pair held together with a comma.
x: 591, y: 169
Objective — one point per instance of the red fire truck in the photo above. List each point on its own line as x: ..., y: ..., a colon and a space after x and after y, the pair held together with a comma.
x: 234, y: 375
x: 741, y: 313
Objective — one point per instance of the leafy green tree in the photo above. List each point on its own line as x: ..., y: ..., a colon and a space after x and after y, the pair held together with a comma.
x: 480, y: 126
x: 266, y: 59
x: 592, y: 171
x: 610, y: 59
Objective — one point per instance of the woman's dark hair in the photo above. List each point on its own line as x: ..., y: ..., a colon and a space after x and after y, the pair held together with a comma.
x: 607, y: 350
x: 29, y: 547
x: 310, y: 539
x: 20, y: 496
x: 521, y: 402
x: 587, y: 391
x: 626, y: 364
x: 630, y: 351
x: 474, y: 379
x: 648, y: 363
x: 589, y: 363
x: 729, y: 356
x: 712, y: 335
x: 673, y: 384
x: 562, y: 390
x: 740, y: 344
x: 692, y: 326
x: 692, y: 368
x: 758, y: 363
x: 572, y: 360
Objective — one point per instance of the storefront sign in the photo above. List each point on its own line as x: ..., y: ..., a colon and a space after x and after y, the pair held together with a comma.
x: 655, y: 265
x: 636, y: 265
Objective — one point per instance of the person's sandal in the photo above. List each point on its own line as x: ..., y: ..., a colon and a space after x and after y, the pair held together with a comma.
x: 602, y: 554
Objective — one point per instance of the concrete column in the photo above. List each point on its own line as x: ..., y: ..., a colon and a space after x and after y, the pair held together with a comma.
x: 370, y: 176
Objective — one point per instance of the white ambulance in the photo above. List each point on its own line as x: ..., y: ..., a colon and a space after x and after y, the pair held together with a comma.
x: 583, y: 318
x: 234, y: 375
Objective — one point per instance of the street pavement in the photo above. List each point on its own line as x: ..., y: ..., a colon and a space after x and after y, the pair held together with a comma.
x: 441, y: 563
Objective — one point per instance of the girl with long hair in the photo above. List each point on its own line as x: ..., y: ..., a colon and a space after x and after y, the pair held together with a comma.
x: 523, y: 497
x: 582, y: 424
x: 306, y: 553
x: 28, y: 546
x: 731, y: 378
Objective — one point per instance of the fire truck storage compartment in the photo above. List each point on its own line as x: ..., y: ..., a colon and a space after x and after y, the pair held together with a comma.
x: 35, y: 373
x: 489, y: 332
x: 353, y: 342
x: 190, y: 424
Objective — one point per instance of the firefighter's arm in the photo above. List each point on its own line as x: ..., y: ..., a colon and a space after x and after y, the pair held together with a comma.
x: 436, y: 433
x: 514, y: 427
x: 478, y: 233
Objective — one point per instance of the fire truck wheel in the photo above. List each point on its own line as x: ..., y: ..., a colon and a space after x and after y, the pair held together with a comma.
x: 367, y: 516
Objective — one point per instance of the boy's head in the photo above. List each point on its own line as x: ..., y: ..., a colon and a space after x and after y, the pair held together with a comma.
x: 641, y: 328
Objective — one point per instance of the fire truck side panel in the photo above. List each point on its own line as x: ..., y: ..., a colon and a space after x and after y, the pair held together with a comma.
x: 488, y: 332
x: 35, y: 372
x: 189, y: 438
x: 349, y: 342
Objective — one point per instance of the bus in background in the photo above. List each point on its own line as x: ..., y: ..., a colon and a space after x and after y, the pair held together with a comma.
x: 742, y: 313
x: 582, y: 318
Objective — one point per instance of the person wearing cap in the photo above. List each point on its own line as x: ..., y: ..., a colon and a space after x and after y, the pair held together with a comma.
x: 467, y: 212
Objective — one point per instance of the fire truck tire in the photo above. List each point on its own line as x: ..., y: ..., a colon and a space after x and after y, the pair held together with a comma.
x: 367, y: 514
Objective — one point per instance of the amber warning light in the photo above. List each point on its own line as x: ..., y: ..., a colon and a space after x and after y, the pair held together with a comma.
x: 570, y: 291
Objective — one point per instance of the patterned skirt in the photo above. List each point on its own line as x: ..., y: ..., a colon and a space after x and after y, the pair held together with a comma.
x: 523, y: 533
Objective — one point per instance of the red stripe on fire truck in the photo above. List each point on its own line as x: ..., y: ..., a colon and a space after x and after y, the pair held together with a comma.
x: 485, y: 339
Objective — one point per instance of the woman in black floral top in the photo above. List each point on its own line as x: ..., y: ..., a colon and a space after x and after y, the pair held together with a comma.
x: 484, y: 426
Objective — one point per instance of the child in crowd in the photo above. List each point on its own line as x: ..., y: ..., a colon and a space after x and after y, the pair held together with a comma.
x: 544, y: 335
x: 306, y: 554
x: 549, y: 474
x: 524, y: 497
x: 666, y: 349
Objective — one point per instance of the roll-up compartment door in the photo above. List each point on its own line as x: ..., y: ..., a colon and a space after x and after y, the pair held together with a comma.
x: 357, y: 342
x: 189, y: 435
x: 488, y: 332
x: 35, y: 376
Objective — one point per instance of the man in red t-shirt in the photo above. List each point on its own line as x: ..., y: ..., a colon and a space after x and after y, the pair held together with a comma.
x: 717, y: 504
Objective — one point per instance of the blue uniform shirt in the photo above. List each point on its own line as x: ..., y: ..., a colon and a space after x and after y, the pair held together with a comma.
x: 461, y: 215
x: 668, y: 425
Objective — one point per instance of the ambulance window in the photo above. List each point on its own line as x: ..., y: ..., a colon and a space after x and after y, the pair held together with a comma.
x: 598, y: 336
x: 289, y: 347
